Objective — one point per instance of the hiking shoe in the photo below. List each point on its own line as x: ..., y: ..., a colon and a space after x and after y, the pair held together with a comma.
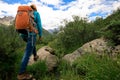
x: 24, y: 76
x: 36, y: 58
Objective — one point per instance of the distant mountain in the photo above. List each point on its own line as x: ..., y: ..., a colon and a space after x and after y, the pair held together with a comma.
x: 50, y: 30
x: 55, y: 30
x: 46, y: 32
x: 7, y: 20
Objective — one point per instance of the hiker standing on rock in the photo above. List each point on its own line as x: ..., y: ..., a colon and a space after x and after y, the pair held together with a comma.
x: 29, y: 36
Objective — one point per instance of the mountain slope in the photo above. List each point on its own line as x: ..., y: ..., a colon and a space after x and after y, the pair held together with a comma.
x: 6, y: 20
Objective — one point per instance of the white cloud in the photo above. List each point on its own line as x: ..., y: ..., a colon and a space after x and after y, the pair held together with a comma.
x: 53, y: 2
x: 52, y: 18
x: 10, y: 9
x: 116, y: 5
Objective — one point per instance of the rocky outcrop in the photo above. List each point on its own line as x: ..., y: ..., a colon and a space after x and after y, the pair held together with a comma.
x: 46, y: 54
x: 73, y: 56
x: 7, y: 20
x: 98, y: 46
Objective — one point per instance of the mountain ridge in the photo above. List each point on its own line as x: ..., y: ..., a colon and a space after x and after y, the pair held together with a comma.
x: 7, y: 20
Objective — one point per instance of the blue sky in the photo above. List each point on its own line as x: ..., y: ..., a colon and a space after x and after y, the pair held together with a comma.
x: 27, y: 1
x: 16, y: 1
x: 54, y: 12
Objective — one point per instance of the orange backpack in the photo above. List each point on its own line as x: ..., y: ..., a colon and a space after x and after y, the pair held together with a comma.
x: 25, y: 18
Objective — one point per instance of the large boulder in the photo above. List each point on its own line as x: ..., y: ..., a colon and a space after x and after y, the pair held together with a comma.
x: 98, y: 46
x: 73, y: 56
x: 46, y: 54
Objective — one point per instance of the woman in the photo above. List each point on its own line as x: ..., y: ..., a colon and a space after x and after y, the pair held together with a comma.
x: 30, y: 38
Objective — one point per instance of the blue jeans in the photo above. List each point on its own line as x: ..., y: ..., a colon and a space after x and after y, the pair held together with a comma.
x: 30, y: 49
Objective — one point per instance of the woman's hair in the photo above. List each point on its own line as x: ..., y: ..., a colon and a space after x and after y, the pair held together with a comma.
x: 33, y: 6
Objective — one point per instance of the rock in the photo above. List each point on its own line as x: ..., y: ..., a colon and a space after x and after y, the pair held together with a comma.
x: 7, y: 20
x: 96, y: 46
x: 50, y: 50
x: 116, y: 50
x: 99, y: 46
x: 44, y: 54
x: 73, y: 56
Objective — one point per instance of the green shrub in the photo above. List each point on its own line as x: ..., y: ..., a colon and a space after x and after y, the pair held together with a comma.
x: 94, y: 67
x: 112, y: 33
x: 38, y: 69
x: 9, y: 42
x: 66, y: 72
x: 74, y: 35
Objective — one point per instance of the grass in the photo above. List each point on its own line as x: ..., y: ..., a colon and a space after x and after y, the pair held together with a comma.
x: 38, y: 69
x: 87, y: 67
x: 94, y: 67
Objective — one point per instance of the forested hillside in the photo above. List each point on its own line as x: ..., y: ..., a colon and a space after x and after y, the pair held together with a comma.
x: 69, y: 37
